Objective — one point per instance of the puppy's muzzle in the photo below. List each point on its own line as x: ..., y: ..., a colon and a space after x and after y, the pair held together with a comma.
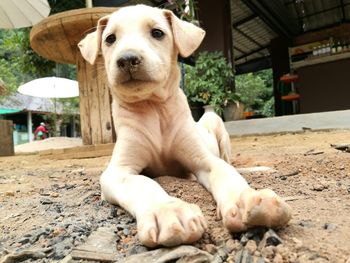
x: 129, y: 62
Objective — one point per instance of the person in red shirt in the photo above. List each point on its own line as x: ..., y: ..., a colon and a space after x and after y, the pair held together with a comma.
x: 41, y: 132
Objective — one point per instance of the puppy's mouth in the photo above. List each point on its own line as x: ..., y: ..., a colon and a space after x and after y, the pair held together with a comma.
x: 132, y: 78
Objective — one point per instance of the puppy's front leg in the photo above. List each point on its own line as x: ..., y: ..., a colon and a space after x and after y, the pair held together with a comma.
x: 239, y: 205
x: 161, y: 219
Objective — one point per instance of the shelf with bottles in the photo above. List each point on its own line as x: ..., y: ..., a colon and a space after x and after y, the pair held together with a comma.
x: 331, y: 48
x: 319, y: 52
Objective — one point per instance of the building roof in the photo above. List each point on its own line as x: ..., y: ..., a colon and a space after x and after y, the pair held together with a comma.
x: 256, y: 22
x: 19, y: 102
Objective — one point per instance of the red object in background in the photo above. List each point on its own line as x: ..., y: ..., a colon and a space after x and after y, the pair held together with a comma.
x: 43, y: 130
x: 288, y: 78
x: 291, y: 97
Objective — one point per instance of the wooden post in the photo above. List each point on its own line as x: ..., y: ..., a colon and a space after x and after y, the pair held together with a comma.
x: 56, y: 38
x: 30, y: 126
x: 6, y: 138
x: 95, y: 103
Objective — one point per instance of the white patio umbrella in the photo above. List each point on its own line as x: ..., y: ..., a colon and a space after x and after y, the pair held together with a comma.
x: 50, y: 87
x: 22, y: 13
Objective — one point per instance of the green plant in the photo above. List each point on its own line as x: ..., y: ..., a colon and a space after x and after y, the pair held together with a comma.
x: 256, y: 92
x: 209, y: 80
x: 230, y: 97
x: 185, y: 9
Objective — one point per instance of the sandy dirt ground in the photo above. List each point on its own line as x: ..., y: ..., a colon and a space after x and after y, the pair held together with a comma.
x: 49, y: 143
x: 54, y: 205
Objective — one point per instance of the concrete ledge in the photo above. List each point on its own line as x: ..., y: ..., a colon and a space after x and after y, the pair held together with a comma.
x: 291, y: 123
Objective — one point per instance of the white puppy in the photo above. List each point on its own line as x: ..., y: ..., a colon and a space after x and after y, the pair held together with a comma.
x: 156, y: 134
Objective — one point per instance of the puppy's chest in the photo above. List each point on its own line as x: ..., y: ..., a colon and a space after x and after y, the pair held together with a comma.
x: 165, y: 166
x: 163, y: 144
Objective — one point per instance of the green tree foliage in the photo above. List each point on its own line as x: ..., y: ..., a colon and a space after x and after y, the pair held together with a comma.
x: 256, y: 92
x: 19, y: 63
x: 208, y: 81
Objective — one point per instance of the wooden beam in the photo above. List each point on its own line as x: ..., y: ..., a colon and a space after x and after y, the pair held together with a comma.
x: 248, y: 37
x: 244, y: 20
x: 252, y: 52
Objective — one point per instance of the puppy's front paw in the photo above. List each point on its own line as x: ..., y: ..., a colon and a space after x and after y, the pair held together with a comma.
x: 170, y: 224
x: 256, y: 208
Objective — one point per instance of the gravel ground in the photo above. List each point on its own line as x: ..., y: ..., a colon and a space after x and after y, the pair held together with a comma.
x: 49, y: 207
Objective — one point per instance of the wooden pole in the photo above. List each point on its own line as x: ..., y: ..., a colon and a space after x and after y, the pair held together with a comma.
x: 29, y: 125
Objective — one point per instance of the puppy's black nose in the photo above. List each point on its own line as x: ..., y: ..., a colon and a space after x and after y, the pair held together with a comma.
x: 128, y: 61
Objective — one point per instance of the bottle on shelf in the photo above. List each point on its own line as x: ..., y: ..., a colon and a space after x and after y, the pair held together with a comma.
x: 334, y: 48
x: 345, y: 46
x: 339, y: 47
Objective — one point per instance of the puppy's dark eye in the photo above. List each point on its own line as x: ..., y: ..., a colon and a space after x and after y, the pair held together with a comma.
x: 110, y: 39
x: 157, y: 33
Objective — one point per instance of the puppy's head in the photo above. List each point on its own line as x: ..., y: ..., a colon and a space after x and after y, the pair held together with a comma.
x: 140, y: 45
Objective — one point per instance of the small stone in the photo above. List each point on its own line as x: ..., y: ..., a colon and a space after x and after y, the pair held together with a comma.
x: 57, y: 208
x: 238, y: 256
x: 45, y: 201
x: 114, y: 211
x: 246, y: 257
x: 232, y: 245
x: 230, y: 259
x: 58, y: 231
x: 330, y: 226
x: 255, y: 234
x: 278, y: 258
x: 222, y: 253
x: 126, y: 231
x: 257, y: 253
x: 43, y: 193
x: 9, y: 193
x: 251, y: 246
x: 120, y: 212
x: 126, y: 240
x: 54, y: 194
x: 268, y: 252
x: 69, y: 186
x: 310, y: 256
x: 38, y: 233
x: 306, y: 223
x: 120, y: 227
x: 210, y: 248
x: 136, y: 250
x: 25, y: 255
x: 298, y: 243
x: 261, y: 260
x: 270, y: 239
x: 24, y: 240
x: 244, y: 239
x: 319, y: 187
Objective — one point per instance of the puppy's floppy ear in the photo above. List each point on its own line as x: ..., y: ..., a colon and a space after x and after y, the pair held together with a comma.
x: 187, y: 36
x: 90, y: 45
